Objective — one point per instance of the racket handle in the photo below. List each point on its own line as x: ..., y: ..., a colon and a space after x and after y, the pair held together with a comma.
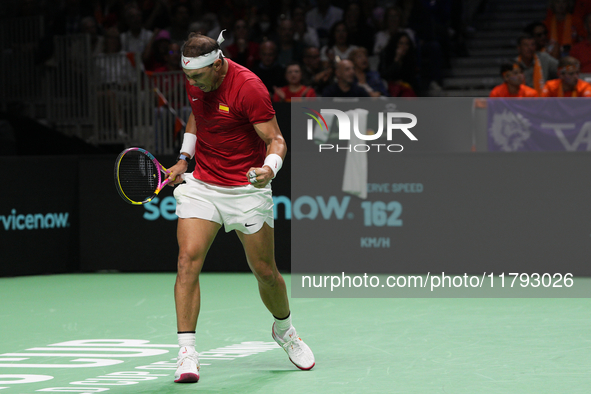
x: 167, y: 181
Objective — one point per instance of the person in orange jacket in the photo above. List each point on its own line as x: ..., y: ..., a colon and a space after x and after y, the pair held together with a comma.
x: 568, y: 83
x: 513, y: 86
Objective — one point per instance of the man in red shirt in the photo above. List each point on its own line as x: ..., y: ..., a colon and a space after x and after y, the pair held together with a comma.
x: 568, y: 84
x: 513, y: 86
x: 582, y: 50
x: 233, y: 134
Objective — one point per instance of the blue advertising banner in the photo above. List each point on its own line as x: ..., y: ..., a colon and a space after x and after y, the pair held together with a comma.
x: 519, y: 125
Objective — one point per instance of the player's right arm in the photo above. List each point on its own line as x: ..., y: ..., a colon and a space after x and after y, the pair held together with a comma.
x: 181, y: 166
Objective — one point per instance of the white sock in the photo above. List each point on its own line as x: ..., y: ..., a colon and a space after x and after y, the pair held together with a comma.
x: 187, y: 339
x: 282, y: 326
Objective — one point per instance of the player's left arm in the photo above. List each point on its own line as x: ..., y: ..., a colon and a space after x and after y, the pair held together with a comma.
x: 271, y: 134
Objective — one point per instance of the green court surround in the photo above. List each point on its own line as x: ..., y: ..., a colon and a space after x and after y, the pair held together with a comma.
x: 361, y: 345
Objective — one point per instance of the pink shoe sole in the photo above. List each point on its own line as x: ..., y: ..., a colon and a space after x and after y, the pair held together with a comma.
x: 188, y: 378
x: 303, y: 369
x: 274, y: 337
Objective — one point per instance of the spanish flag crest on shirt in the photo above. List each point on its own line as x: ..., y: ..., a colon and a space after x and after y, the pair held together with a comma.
x: 224, y: 108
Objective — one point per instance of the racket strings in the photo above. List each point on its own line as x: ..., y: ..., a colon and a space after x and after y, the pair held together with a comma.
x: 138, y: 176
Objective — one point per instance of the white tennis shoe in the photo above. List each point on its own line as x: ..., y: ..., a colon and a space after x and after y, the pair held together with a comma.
x: 299, y: 353
x: 187, y: 370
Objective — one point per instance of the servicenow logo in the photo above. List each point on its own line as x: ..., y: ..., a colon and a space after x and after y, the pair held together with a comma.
x: 166, y: 208
x: 34, y: 221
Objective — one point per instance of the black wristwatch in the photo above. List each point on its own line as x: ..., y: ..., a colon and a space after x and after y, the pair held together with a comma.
x: 183, y: 157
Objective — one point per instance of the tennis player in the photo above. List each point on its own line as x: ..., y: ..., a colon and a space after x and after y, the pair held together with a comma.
x: 233, y: 134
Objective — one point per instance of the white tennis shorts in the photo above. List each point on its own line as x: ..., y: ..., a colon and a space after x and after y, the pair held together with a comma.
x: 242, y: 208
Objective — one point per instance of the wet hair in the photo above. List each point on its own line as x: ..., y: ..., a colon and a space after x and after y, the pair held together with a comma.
x: 197, y: 44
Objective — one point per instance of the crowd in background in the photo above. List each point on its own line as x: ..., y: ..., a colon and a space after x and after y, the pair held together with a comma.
x: 327, y: 47
x: 551, y: 54
x: 297, y: 47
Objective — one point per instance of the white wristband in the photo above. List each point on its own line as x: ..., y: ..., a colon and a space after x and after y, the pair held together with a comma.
x: 189, y: 142
x: 275, y: 162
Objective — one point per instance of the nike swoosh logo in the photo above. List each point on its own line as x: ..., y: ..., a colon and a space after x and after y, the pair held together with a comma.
x: 194, y: 99
x: 248, y: 225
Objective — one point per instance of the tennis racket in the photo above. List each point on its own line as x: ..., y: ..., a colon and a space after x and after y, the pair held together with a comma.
x: 139, y: 177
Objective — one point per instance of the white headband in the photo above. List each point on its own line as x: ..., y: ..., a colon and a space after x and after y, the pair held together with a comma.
x: 193, y: 63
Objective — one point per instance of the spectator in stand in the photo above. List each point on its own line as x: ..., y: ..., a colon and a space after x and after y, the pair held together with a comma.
x: 398, y: 66
x: 172, y: 59
x: 322, y: 18
x: 198, y: 8
x: 338, y: 46
x: 136, y: 39
x: 171, y: 86
x: 114, y: 70
x: 154, y: 14
x: 115, y: 76
x: 302, y: 32
x: 243, y: 51
x: 369, y: 80
x: 581, y: 10
x: 513, y: 86
x: 313, y: 74
x: 155, y: 54
x: 582, y: 50
x: 562, y: 30
x: 69, y: 17
x: 207, y: 22
x: 108, y: 13
x: 262, y: 27
x: 539, y: 66
x: 392, y: 26
x: 180, y: 19
x: 289, y: 50
x: 294, y: 87
x: 268, y: 70
x: 568, y: 84
x: 345, y: 85
x: 226, y: 22
x: 374, y: 14
x: 97, y: 42
x: 539, y: 32
x: 360, y: 33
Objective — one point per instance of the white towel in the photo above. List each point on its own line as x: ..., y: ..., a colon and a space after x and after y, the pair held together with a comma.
x: 355, y: 176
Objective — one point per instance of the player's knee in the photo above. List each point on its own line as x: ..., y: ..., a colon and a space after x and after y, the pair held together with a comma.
x: 189, y: 265
x: 267, y: 276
